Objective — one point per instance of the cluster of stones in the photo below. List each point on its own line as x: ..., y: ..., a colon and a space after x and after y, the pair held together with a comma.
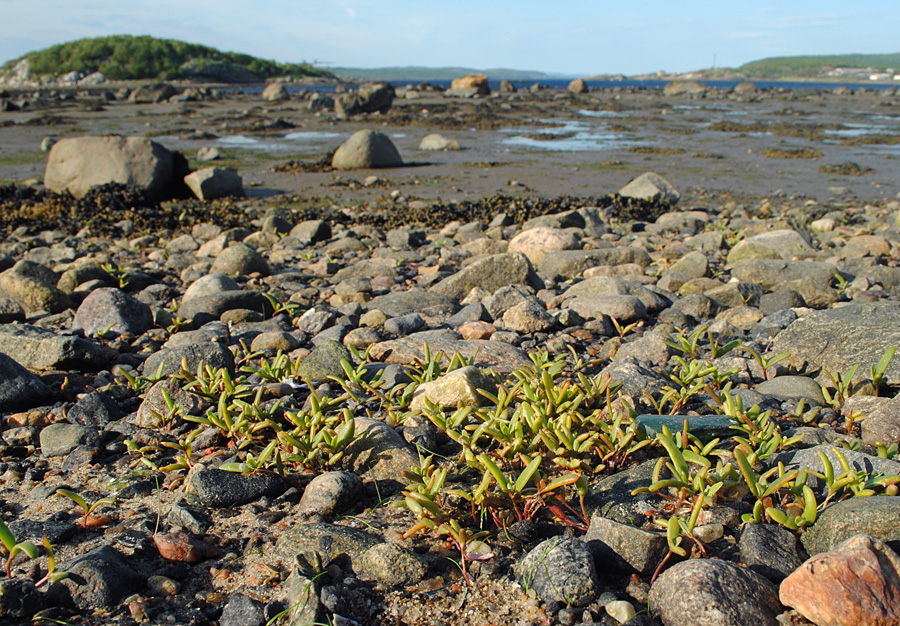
x: 823, y: 291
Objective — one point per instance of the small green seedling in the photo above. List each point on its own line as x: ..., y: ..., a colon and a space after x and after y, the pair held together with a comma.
x: 81, y: 502
x: 14, y: 547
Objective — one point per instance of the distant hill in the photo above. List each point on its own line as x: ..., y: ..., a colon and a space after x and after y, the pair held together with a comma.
x: 817, y: 66
x: 435, y: 73
x: 128, y: 57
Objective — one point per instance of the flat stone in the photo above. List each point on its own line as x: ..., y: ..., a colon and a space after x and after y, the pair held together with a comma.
x: 407, y: 350
x: 704, y: 427
x: 883, y: 424
x: 220, y: 489
x: 181, y: 547
x: 328, y: 540
x: 569, y: 263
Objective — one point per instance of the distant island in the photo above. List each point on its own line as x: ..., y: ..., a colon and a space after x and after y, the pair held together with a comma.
x: 437, y: 73
x: 128, y: 57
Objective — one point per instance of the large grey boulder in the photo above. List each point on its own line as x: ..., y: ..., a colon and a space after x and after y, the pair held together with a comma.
x: 839, y: 338
x: 39, y: 349
x: 366, y: 149
x: 33, y: 286
x: 215, y: 182
x: 651, y: 187
x: 708, y: 592
x: 109, y: 309
x: 76, y: 164
x: 491, y: 273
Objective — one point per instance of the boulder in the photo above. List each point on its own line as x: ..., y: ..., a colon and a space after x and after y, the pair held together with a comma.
x: 839, y: 338
x: 651, y: 187
x: 19, y: 388
x: 473, y: 84
x: 150, y: 94
x: 215, y: 182
x: 33, y: 287
x: 76, y: 164
x: 577, y: 86
x: 491, y: 273
x: 275, y: 92
x: 436, y: 141
x: 109, y: 309
x: 684, y: 88
x: 370, y: 98
x: 366, y: 149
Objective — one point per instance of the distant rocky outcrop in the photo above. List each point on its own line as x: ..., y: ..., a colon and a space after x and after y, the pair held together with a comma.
x: 76, y: 164
x: 684, y: 88
x: 578, y: 86
x: 372, y: 98
x: 469, y: 86
x: 366, y: 149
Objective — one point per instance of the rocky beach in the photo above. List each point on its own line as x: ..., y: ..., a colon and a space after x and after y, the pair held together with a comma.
x: 387, y: 355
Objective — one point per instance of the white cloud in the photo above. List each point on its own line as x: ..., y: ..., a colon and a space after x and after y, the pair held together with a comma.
x: 351, y: 12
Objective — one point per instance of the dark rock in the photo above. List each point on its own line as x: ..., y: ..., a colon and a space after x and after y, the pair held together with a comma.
x: 770, y: 551
x: 220, y: 489
x: 101, y: 578
x: 188, y: 514
x: 19, y: 598
x: 95, y: 410
x: 242, y: 610
x: 626, y: 548
x: 213, y: 354
x: 19, y: 388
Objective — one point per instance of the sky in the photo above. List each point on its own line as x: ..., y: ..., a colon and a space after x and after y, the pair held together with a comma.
x: 570, y: 37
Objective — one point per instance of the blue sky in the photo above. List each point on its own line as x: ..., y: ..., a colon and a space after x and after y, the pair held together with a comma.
x: 575, y: 37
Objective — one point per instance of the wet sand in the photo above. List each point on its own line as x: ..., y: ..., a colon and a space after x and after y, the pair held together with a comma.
x: 544, y: 144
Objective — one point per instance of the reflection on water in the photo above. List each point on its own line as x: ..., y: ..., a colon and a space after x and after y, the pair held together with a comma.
x: 311, y: 136
x: 574, y: 136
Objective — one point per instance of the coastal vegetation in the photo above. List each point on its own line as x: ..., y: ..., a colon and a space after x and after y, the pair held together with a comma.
x: 817, y: 66
x: 127, y: 57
